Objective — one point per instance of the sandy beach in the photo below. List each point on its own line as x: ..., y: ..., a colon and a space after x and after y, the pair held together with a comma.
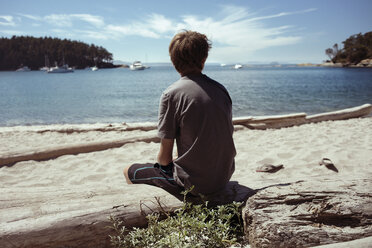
x: 35, y: 194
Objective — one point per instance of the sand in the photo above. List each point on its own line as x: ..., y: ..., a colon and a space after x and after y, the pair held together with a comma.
x: 35, y: 194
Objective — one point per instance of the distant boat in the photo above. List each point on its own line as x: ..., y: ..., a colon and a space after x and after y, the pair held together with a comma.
x: 222, y: 64
x: 137, y: 65
x: 94, y: 68
x: 23, y: 68
x: 46, y: 66
x: 238, y: 66
x: 60, y: 69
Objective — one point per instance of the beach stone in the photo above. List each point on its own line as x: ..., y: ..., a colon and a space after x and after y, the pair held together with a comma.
x: 311, y: 213
x: 365, y: 62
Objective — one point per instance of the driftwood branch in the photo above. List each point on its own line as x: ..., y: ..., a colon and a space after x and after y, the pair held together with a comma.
x: 279, y: 121
x: 76, y: 227
x: 72, y: 150
x: 307, y: 214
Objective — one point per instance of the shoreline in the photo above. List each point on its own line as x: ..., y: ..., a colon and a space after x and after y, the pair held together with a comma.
x: 364, y: 110
x: 111, y: 136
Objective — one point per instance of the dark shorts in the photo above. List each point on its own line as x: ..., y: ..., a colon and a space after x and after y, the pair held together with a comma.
x: 156, y: 175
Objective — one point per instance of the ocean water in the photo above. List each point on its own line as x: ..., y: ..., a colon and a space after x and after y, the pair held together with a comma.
x: 121, y: 95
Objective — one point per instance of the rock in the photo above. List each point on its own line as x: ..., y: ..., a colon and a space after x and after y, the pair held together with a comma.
x: 338, y: 65
x: 331, y: 64
x: 356, y: 66
x: 366, y: 62
x: 307, y: 65
x: 328, y: 64
x: 306, y: 214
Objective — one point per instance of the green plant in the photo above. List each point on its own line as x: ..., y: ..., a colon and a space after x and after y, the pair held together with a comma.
x: 189, y: 226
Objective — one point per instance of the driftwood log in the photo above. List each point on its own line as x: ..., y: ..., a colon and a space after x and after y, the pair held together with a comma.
x: 279, y: 121
x: 307, y: 214
x: 344, y: 114
x: 84, y: 221
x: 58, y: 151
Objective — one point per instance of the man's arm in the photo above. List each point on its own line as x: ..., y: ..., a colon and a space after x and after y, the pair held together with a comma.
x: 165, y: 155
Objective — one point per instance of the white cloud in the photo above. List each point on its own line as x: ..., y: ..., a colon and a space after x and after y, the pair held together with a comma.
x: 32, y: 17
x: 59, y: 20
x: 159, y: 23
x: 156, y: 26
x: 11, y: 32
x: 6, y: 20
x: 134, y: 29
x: 93, y: 34
x: 281, y: 14
x: 64, y: 20
x: 92, y: 19
x: 236, y: 32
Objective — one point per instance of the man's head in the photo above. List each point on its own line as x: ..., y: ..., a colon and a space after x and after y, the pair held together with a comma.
x: 188, y: 51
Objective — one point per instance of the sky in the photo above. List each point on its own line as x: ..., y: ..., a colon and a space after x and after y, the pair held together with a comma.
x: 241, y: 31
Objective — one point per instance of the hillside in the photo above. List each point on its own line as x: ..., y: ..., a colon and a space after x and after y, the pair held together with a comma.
x: 355, y: 49
x: 38, y: 52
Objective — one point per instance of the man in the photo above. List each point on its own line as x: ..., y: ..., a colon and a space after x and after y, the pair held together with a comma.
x: 196, y: 112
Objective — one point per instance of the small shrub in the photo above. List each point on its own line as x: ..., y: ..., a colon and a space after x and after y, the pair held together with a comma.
x: 189, y: 226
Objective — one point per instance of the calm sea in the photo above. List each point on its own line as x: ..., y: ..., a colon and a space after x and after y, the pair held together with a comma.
x: 121, y: 95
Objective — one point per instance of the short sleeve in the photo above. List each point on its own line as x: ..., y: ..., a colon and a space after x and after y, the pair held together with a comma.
x: 167, y: 125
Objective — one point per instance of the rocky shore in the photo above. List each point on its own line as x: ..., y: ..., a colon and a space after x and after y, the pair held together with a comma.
x: 365, y: 63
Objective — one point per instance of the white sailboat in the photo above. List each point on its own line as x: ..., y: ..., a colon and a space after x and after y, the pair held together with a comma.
x: 46, y: 66
x: 23, y: 69
x: 60, y: 69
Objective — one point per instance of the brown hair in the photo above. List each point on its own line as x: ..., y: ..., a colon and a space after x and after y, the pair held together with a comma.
x: 189, y: 50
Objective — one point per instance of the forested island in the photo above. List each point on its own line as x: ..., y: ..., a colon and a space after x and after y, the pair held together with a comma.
x: 357, y: 51
x: 46, y: 51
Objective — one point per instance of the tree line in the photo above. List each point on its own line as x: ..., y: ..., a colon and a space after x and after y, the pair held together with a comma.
x: 38, y: 52
x: 356, y: 48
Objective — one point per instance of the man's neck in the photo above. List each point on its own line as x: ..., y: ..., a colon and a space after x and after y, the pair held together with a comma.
x: 190, y: 73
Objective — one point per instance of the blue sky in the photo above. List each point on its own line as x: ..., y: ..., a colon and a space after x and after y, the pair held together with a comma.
x: 286, y: 31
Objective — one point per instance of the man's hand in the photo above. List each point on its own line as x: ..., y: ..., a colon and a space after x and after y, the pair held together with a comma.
x: 166, y: 151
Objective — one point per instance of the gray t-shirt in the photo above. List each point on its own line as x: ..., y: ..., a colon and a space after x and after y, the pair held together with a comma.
x: 196, y: 111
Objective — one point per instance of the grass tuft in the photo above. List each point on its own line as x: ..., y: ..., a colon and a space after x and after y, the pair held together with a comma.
x: 190, y: 226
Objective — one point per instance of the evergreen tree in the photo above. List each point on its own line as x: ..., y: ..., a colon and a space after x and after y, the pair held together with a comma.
x: 32, y: 52
x: 356, y: 48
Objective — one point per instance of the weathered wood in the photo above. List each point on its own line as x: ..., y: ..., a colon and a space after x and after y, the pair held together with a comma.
x: 344, y: 114
x: 275, y: 121
x: 84, y: 221
x: 72, y: 150
x: 279, y: 121
x: 356, y: 243
x: 307, y: 214
x: 47, y: 220
x: 144, y: 126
